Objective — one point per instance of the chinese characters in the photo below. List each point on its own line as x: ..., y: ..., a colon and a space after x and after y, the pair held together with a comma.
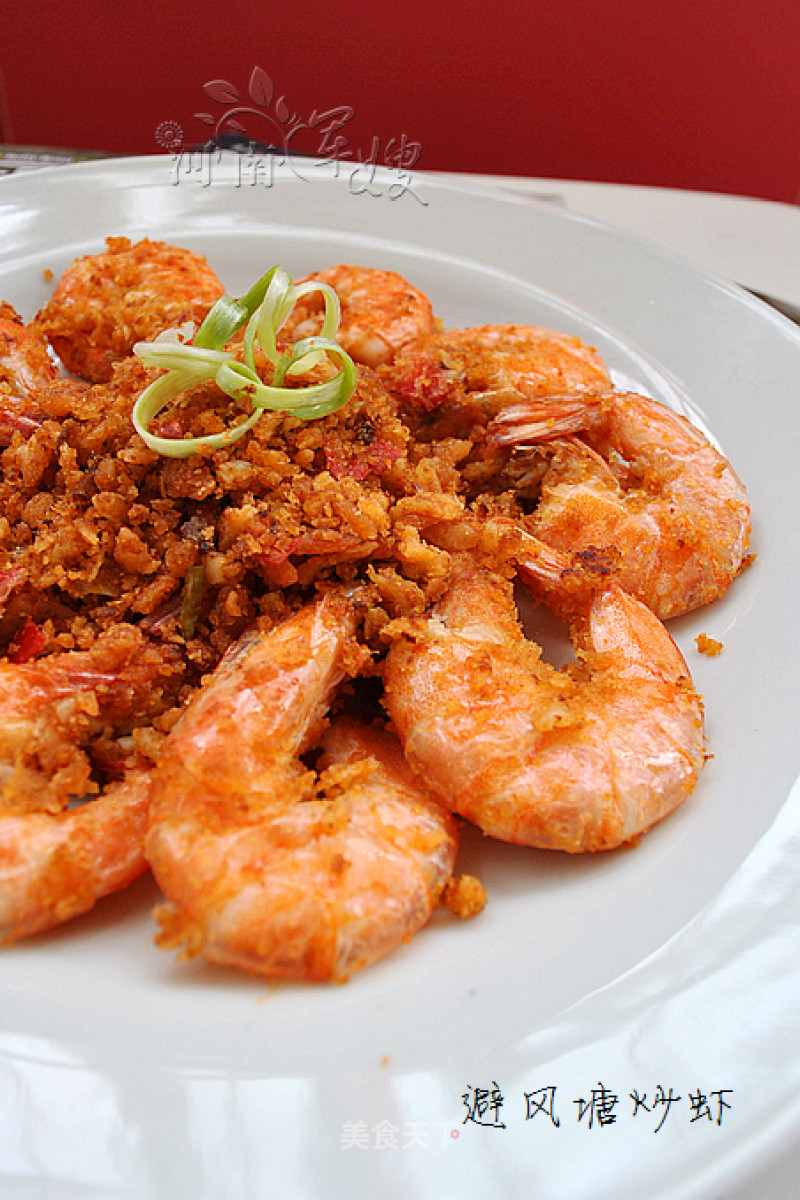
x: 601, y: 1106
x: 487, y: 1107
x: 598, y: 1107
x: 265, y: 132
x: 483, y: 1106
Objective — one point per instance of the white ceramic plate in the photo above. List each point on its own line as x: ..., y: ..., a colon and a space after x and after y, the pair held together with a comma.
x: 670, y: 970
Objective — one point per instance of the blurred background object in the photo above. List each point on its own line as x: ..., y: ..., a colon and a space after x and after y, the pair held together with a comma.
x: 695, y: 94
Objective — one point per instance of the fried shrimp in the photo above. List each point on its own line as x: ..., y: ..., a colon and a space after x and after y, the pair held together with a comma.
x: 55, y: 866
x: 25, y: 368
x: 639, y: 480
x: 56, y: 860
x: 381, y: 313
x: 482, y: 370
x: 52, y: 708
x: 105, y: 303
x: 265, y: 865
x: 25, y: 365
x: 581, y: 759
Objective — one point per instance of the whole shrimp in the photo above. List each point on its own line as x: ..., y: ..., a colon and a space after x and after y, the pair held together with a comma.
x: 482, y: 370
x: 57, y: 860
x: 580, y: 759
x: 266, y: 866
x: 637, y: 479
x: 105, y: 303
x: 381, y: 313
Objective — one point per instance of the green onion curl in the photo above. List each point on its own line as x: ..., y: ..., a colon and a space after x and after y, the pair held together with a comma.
x: 263, y: 310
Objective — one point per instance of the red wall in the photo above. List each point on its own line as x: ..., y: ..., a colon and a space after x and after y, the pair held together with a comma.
x: 681, y: 93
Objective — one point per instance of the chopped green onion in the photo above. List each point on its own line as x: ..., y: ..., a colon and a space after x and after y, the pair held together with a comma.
x: 263, y: 310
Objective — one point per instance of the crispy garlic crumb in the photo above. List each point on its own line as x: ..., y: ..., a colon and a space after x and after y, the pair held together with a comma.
x: 176, y: 932
x: 708, y: 645
x: 465, y: 896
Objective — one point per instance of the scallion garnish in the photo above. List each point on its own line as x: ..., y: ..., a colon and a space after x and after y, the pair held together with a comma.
x: 262, y: 310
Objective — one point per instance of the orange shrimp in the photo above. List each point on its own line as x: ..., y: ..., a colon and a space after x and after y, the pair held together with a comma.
x: 55, y: 866
x: 638, y: 480
x: 265, y: 865
x: 580, y: 759
x: 381, y: 313
x: 485, y: 369
x: 25, y: 365
x: 55, y: 860
x: 52, y: 707
x: 105, y: 303
x: 25, y: 368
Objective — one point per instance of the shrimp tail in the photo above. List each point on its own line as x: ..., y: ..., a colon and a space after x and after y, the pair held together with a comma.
x: 565, y: 582
x: 539, y: 421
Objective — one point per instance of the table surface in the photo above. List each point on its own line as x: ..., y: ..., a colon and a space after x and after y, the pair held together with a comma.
x: 755, y: 243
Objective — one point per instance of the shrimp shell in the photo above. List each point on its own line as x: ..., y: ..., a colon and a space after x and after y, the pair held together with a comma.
x: 25, y: 368
x: 494, y: 365
x: 25, y: 365
x: 381, y: 312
